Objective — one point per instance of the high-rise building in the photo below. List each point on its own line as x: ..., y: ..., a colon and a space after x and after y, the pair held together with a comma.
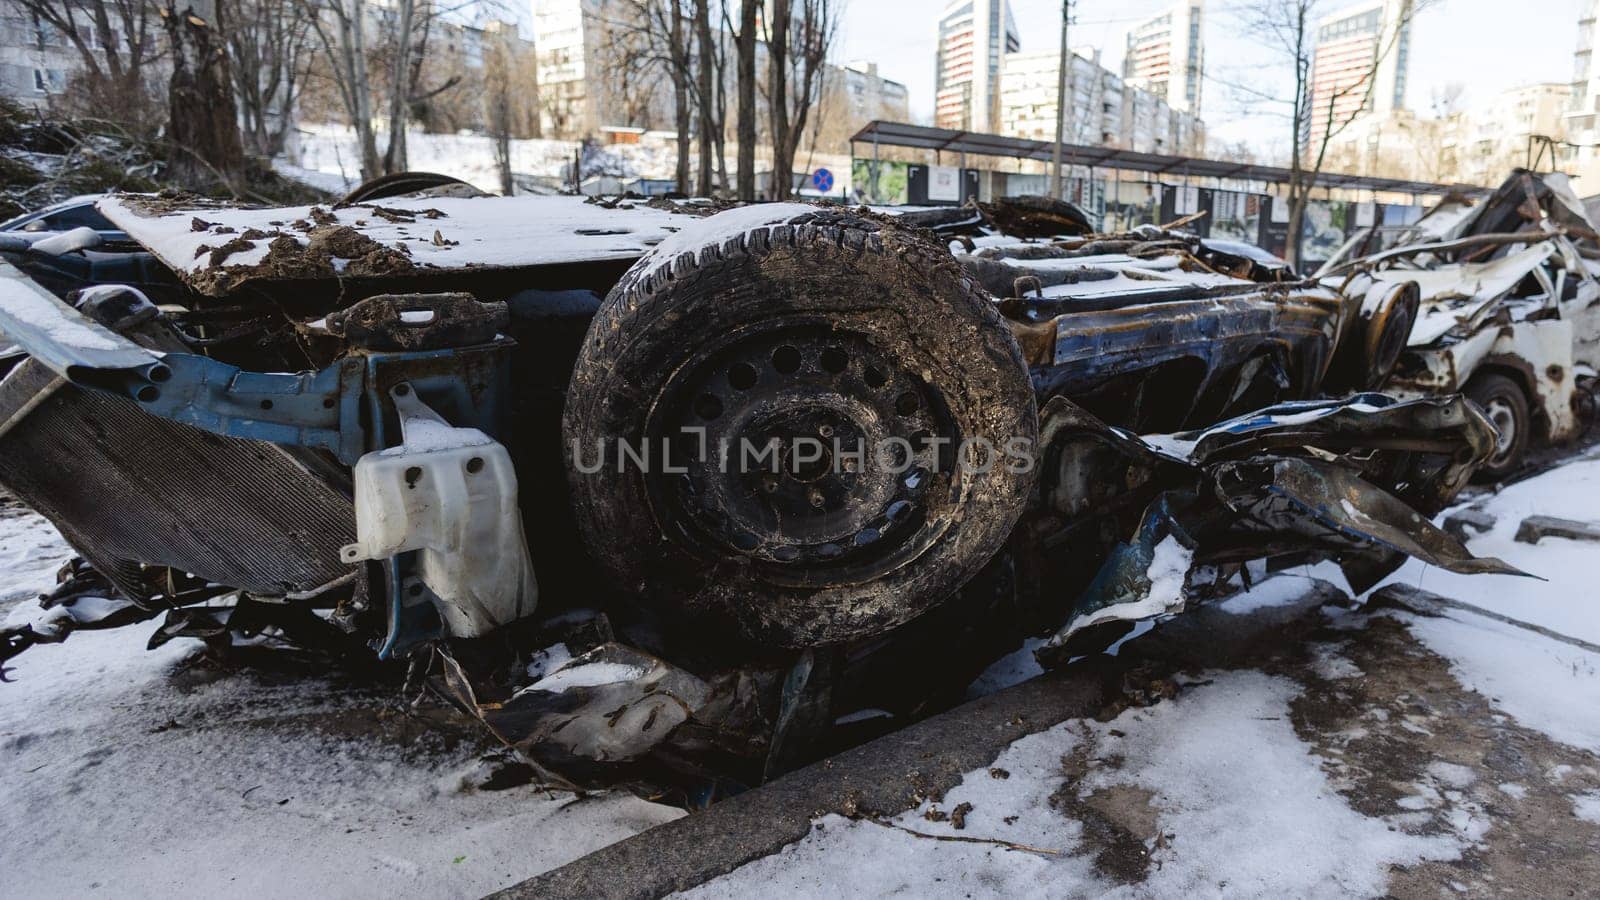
x: 1166, y: 56
x: 1362, y: 52
x: 974, y: 36
x: 1581, y: 157
x: 1102, y: 110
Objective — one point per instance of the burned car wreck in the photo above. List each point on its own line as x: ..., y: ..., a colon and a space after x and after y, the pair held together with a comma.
x: 800, y: 475
x: 1509, y: 311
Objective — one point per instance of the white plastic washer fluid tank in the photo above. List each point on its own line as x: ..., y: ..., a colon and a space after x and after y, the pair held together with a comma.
x: 451, y: 495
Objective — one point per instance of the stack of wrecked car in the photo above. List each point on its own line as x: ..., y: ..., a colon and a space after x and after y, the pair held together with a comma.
x: 662, y: 495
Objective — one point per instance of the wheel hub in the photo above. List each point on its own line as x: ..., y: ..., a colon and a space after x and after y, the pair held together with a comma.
x: 1504, y: 420
x: 796, y: 446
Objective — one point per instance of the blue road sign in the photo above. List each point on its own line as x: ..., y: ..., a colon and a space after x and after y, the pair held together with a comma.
x: 822, y: 180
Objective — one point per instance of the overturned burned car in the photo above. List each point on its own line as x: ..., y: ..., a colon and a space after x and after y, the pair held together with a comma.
x: 803, y: 472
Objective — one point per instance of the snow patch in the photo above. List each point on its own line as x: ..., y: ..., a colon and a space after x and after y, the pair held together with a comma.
x: 224, y: 784
x: 593, y: 674
x: 1327, y: 662
x: 1246, y: 808
x: 548, y: 660
x: 1541, y: 683
x: 1587, y: 806
x: 720, y: 228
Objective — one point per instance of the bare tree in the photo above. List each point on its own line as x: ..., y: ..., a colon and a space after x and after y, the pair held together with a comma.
x: 202, y: 126
x: 798, y: 42
x: 401, y: 76
x: 688, y: 39
x: 1288, y: 27
x: 678, y: 62
x: 634, y: 48
x: 745, y: 44
x: 340, y: 26
x: 268, y: 40
x: 511, y: 95
x: 116, y: 41
x: 708, y: 118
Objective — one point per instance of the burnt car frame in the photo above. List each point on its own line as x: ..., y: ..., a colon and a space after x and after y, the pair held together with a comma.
x: 381, y: 410
x: 1510, y: 308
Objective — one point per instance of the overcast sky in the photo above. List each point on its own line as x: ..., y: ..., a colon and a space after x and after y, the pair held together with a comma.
x: 1485, y: 45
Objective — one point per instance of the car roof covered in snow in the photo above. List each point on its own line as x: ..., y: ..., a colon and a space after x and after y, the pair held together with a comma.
x: 217, y: 247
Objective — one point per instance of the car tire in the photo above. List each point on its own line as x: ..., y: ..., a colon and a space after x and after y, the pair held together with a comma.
x: 1367, y: 354
x: 812, y: 321
x: 1506, y: 407
x: 399, y: 184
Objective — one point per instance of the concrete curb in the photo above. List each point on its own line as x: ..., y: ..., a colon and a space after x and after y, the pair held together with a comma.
x: 897, y: 771
x: 886, y: 776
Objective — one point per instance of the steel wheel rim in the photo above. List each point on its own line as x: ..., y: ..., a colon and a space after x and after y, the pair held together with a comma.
x: 876, y: 498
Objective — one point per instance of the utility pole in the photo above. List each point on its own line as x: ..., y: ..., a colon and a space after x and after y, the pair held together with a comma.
x: 1061, y: 102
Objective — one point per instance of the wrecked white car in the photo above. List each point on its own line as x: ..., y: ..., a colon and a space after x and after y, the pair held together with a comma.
x: 1509, y: 308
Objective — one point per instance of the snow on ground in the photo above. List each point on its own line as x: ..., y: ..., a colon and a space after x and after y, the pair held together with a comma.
x: 1262, y: 823
x: 1241, y: 806
x: 121, y: 772
x: 1544, y: 684
x: 334, y: 183
x: 1587, y: 807
x: 30, y: 553
x: 1566, y: 601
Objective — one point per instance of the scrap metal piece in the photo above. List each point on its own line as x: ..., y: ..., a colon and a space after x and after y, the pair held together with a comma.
x: 1471, y: 519
x: 1333, y: 478
x: 610, y: 705
x: 1332, y: 507
x: 419, y: 321
x: 1144, y: 578
x: 1036, y: 216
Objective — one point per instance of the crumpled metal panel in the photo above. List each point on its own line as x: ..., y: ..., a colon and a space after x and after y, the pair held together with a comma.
x: 1343, y: 479
x: 1331, y: 507
x: 609, y: 706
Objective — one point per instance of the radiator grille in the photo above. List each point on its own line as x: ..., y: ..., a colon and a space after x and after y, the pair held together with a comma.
x: 123, y: 485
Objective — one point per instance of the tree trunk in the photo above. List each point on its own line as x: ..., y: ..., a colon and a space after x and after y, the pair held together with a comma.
x: 679, y: 54
x: 353, y: 47
x: 203, y: 130
x: 778, y: 98
x: 394, y: 158
x: 702, y: 20
x: 746, y: 116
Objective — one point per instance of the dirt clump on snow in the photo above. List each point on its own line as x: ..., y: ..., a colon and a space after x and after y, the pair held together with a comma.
x: 329, y: 251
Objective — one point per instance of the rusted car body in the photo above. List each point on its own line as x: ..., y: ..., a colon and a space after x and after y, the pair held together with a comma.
x: 383, y: 411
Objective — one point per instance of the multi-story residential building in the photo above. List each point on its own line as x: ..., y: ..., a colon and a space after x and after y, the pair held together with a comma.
x: 1478, y: 144
x: 1103, y: 110
x: 1359, y: 68
x: 870, y: 96
x: 38, y: 60
x: 1582, y: 158
x: 1504, y: 131
x: 974, y: 38
x: 1166, y: 56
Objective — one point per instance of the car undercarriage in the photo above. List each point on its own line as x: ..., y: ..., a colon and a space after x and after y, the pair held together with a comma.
x: 668, y: 494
